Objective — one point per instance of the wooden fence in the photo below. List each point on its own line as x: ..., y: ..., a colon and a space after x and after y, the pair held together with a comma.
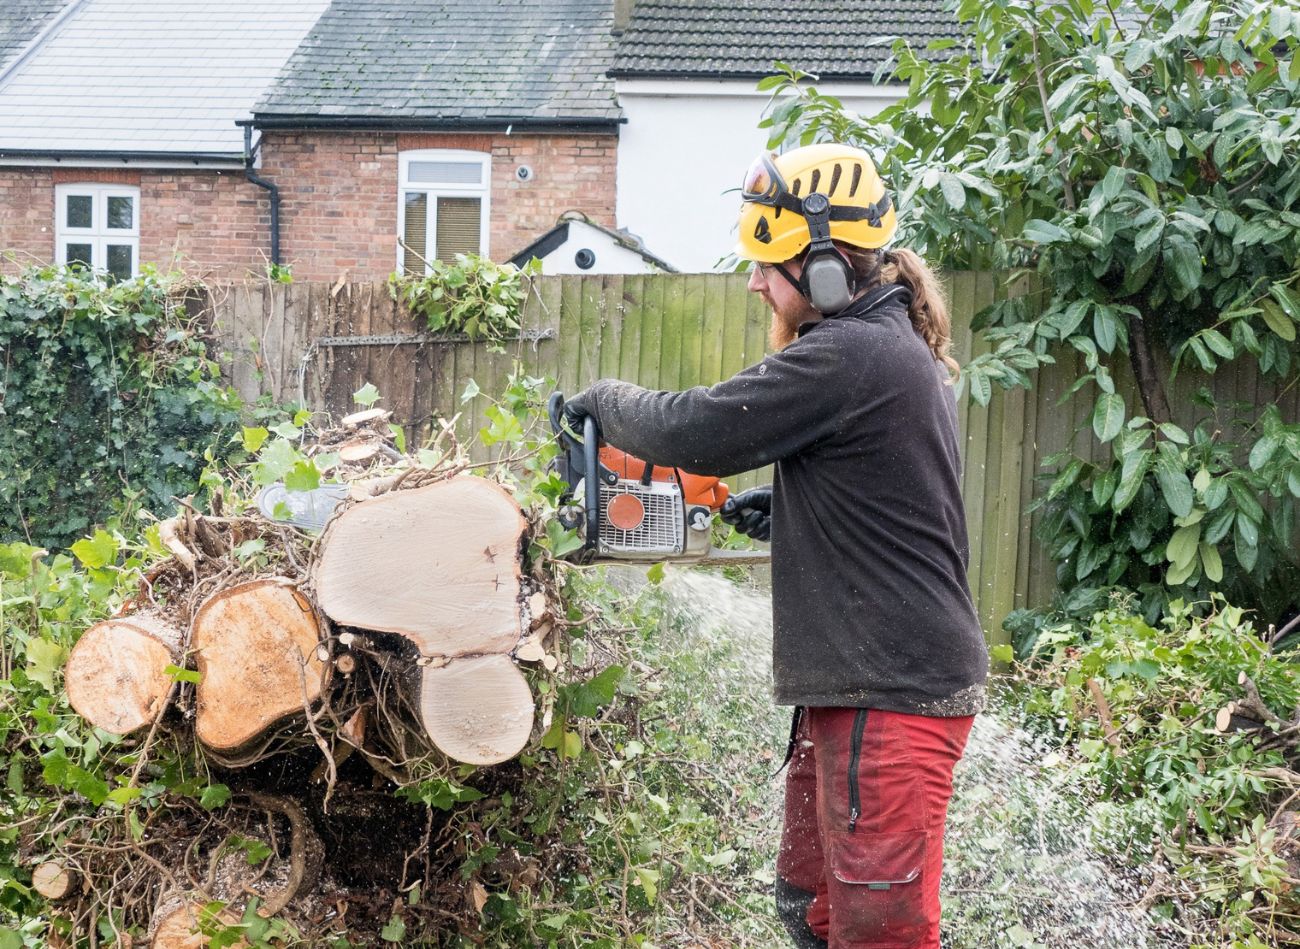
x: 317, y: 344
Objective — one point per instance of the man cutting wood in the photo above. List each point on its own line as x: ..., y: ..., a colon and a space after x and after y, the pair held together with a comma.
x: 875, y: 638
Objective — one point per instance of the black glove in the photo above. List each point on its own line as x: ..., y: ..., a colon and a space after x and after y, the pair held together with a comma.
x: 576, y: 410
x: 750, y: 512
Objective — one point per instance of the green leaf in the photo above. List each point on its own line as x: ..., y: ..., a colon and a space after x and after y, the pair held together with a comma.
x: 18, y: 560
x: 1202, y: 480
x: 287, y: 430
x: 254, y: 438
x: 367, y: 395
x: 649, y: 882
x: 394, y: 930
x: 1174, y: 484
x: 1136, y: 465
x: 1212, y: 563
x: 214, y: 796
x: 1043, y: 232
x: 586, y: 699
x: 303, y: 476
x: 1263, y: 451
x: 1221, y: 345
x: 1247, y: 542
x: 1277, y: 321
x: 276, y: 460
x: 97, y: 551
x: 1184, y: 260
x: 655, y: 574
x: 953, y: 192
x: 1001, y: 652
x: 471, y: 390
x: 1108, y: 416
x: 183, y: 675
x: 44, y: 659
x: 1181, y: 549
x: 1175, y: 434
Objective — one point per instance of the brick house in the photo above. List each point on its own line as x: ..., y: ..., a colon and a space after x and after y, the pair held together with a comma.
x: 366, y: 121
x: 349, y: 138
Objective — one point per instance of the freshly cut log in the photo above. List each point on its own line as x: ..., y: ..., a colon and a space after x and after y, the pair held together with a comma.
x: 176, y: 925
x: 53, y: 880
x: 438, y: 564
x: 116, y: 674
x: 477, y: 709
x: 255, y: 647
x: 357, y: 419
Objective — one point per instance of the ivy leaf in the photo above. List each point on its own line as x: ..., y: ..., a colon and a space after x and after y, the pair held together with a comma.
x: 586, y: 699
x: 471, y: 390
x: 1108, y: 416
x: 44, y: 658
x: 394, y: 930
x: 367, y: 395
x: 254, y: 438
x: 1001, y: 652
x: 17, y: 560
x: 214, y: 796
x: 275, y: 461
x: 97, y: 551
x: 303, y: 476
x: 649, y: 881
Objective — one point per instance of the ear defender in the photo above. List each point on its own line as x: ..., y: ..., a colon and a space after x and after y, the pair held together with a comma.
x: 828, y: 281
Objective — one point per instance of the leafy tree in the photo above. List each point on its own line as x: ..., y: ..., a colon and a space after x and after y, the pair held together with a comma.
x: 1144, y: 159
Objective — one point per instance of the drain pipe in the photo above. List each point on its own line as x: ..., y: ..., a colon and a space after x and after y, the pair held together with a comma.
x: 263, y: 183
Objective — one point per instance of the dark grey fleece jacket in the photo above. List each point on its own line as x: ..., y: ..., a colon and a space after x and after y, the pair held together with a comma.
x: 871, y: 605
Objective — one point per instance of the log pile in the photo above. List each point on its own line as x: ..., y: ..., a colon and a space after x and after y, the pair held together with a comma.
x: 396, y: 635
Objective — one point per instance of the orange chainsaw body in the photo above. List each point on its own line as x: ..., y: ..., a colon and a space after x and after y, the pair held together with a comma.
x: 697, y: 490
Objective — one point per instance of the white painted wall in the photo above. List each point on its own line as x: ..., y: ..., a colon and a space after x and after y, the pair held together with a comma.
x: 686, y: 142
x: 611, y: 256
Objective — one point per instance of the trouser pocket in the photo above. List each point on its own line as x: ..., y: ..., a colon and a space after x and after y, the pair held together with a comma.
x: 875, y: 887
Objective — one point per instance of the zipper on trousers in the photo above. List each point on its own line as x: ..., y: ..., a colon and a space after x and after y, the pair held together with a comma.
x: 855, y: 752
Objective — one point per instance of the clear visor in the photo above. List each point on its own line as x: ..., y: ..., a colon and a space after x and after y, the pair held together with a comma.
x: 762, y: 181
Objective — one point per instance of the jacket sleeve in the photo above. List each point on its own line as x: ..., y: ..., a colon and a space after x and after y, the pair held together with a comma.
x: 773, y: 410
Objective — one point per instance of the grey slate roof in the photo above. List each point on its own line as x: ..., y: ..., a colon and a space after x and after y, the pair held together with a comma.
x: 139, y: 77
x: 449, y: 62
x: 21, y: 21
x: 742, y: 38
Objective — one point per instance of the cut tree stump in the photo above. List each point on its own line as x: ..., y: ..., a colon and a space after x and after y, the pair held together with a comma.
x: 477, y: 709
x: 255, y: 647
x: 176, y: 924
x: 53, y: 880
x: 116, y: 673
x: 437, y: 564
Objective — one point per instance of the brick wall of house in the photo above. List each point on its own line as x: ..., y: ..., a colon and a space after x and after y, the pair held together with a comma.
x: 339, y: 192
x: 338, y: 201
x: 213, y: 222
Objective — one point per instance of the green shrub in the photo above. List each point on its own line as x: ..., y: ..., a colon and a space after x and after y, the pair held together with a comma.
x: 109, y: 401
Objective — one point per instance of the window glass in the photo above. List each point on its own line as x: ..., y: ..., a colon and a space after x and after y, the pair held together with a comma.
x: 119, y: 261
x: 80, y: 254
x: 445, y: 172
x: 121, y: 214
x: 415, y: 237
x: 458, y: 227
x: 81, y: 210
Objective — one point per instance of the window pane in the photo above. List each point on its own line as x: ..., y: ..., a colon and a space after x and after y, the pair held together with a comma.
x: 81, y: 211
x: 446, y: 172
x: 121, y: 212
x: 415, y: 238
x: 458, y: 227
x: 79, y: 254
x: 119, y: 261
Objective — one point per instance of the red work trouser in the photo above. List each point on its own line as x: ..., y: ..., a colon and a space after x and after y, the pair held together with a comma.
x: 862, y: 847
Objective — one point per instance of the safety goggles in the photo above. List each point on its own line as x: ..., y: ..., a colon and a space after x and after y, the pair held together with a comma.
x: 764, y: 185
x: 763, y: 182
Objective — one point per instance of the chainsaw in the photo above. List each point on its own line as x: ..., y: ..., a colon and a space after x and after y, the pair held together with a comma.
x: 627, y: 509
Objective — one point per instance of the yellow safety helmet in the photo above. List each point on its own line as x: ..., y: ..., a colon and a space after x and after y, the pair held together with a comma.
x: 774, y: 226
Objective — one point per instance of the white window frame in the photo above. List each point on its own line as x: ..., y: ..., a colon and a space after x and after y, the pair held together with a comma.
x: 482, y: 190
x: 99, y: 235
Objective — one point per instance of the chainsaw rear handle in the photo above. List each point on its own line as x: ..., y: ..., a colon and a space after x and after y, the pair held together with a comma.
x: 589, y: 449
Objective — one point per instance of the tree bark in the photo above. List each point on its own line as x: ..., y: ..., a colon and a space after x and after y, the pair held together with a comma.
x: 1150, y: 385
x: 116, y: 673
